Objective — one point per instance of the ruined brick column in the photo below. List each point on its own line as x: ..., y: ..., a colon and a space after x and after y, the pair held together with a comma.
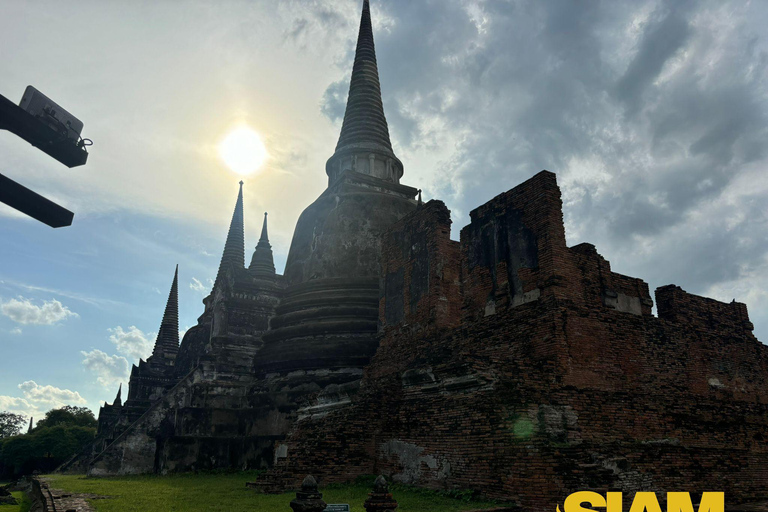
x: 380, y: 500
x: 308, y: 499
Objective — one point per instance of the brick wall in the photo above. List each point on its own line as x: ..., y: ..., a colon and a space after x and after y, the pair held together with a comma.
x: 514, y: 250
x: 420, y: 270
x: 576, y: 387
x: 602, y: 287
x: 677, y: 305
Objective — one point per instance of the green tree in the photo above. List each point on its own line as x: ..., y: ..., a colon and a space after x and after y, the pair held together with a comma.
x: 68, y: 415
x: 57, y: 437
x: 11, y: 424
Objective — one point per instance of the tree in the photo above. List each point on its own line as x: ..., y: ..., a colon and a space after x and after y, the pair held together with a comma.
x: 68, y: 415
x: 57, y: 437
x: 11, y: 424
x: 44, y: 449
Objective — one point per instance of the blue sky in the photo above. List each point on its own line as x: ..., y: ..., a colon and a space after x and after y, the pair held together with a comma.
x: 653, y: 114
x: 111, y: 274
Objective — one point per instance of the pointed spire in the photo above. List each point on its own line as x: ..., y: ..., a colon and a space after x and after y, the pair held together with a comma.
x: 118, y: 399
x: 234, y: 248
x: 264, y: 234
x: 364, y: 119
x: 364, y: 132
x: 167, y: 343
x: 30, y: 424
x: 262, y: 262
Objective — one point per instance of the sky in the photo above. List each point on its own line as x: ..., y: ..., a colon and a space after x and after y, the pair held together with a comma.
x: 653, y: 114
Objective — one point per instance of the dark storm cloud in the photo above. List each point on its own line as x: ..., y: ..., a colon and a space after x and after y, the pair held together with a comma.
x: 665, y: 34
x: 335, y: 100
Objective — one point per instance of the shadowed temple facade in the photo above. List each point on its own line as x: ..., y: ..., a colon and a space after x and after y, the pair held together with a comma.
x: 505, y: 362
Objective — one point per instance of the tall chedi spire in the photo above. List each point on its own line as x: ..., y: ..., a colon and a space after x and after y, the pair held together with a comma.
x: 167, y: 343
x: 364, y: 144
x: 234, y: 248
x: 262, y: 263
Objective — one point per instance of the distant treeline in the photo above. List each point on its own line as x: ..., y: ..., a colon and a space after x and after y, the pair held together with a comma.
x: 57, y: 437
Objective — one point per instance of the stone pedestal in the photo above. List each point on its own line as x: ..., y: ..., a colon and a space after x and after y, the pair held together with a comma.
x: 308, y: 499
x: 380, y: 500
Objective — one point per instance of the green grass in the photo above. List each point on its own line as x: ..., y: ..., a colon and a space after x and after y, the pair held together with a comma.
x: 23, y: 505
x: 227, y: 492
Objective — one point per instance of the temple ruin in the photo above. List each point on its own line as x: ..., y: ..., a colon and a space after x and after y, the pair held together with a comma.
x: 505, y: 362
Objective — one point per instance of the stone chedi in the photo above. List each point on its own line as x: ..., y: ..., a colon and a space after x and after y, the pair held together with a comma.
x: 327, y: 319
x: 380, y: 500
x: 150, y: 380
x: 308, y: 499
x: 505, y: 362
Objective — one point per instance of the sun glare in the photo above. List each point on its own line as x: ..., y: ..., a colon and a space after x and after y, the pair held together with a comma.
x: 243, y: 151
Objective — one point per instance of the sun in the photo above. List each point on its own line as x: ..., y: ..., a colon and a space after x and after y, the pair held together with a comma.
x: 243, y: 151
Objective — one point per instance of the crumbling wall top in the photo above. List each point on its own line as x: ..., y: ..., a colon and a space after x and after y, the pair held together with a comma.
x: 678, y: 306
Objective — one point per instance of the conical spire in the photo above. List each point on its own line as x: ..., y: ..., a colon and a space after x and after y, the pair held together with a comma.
x: 264, y: 235
x: 364, y: 138
x: 31, y: 419
x: 118, y: 399
x: 234, y: 248
x: 167, y: 343
x: 364, y: 120
x: 262, y: 263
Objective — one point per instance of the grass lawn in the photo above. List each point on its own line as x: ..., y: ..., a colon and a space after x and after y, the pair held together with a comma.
x: 23, y: 505
x: 227, y: 492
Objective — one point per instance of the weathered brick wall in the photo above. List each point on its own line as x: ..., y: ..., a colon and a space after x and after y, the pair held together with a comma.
x: 619, y: 351
x: 420, y: 270
x: 514, y: 249
x: 486, y: 409
x: 602, y: 287
x: 577, y: 388
x: 676, y: 305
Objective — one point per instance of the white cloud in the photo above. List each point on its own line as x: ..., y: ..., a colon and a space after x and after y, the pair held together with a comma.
x: 38, y: 399
x: 16, y: 330
x: 50, y: 395
x: 23, y: 311
x: 109, y: 370
x: 17, y: 405
x: 132, y: 342
x: 198, y: 286
x: 13, y: 403
x: 99, y: 302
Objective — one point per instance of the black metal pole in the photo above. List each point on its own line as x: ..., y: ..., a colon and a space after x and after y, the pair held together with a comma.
x: 33, y: 204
